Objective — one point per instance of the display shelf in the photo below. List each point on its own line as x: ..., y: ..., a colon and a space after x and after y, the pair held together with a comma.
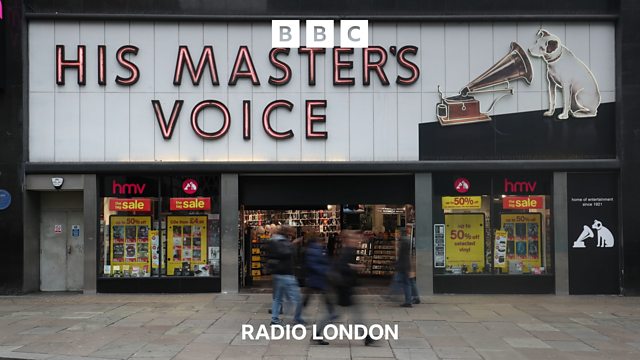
x: 383, y: 254
x: 326, y: 221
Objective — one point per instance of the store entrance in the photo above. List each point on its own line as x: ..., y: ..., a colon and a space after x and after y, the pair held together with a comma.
x: 321, y: 207
x: 381, y: 226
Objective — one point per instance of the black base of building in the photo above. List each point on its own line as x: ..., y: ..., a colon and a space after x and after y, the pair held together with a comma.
x: 491, y: 284
x: 159, y: 285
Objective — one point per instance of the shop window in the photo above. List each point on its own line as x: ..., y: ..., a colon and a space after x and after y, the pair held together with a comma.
x: 159, y: 226
x: 497, y: 225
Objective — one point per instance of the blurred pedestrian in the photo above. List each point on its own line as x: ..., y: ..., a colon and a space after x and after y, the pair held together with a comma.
x: 403, y: 267
x: 285, y: 284
x: 343, y: 277
x: 317, y: 265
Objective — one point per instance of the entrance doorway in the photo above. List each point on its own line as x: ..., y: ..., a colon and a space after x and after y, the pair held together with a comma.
x: 382, y: 226
x: 61, y: 244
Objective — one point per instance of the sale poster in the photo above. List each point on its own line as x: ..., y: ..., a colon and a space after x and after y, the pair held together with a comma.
x: 187, y: 247
x: 523, y: 238
x: 464, y: 242
x: 130, y: 243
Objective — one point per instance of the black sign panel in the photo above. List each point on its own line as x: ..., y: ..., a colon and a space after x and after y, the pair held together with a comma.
x: 593, y: 233
x: 524, y: 135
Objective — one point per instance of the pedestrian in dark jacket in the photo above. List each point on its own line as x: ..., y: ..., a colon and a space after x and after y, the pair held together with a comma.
x: 344, y: 278
x: 403, y: 267
x: 317, y: 264
x: 285, y: 284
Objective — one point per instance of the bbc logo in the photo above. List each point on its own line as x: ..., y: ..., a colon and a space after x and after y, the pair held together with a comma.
x: 319, y: 33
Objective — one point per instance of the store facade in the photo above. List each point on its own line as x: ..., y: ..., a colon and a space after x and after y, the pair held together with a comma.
x: 159, y: 147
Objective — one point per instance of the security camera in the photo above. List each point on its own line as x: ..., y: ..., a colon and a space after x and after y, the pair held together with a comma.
x: 57, y: 182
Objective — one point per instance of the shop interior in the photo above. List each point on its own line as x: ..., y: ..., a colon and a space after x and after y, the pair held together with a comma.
x: 381, y: 226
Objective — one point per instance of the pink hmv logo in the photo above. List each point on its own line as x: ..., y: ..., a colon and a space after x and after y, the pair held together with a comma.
x: 1, y: 15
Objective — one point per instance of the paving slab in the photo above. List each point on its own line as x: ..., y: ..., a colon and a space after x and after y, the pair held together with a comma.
x: 195, y: 326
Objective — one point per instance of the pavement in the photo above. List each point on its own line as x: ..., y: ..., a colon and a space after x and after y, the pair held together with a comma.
x: 208, y: 326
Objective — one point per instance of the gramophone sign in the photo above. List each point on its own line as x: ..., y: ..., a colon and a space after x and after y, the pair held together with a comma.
x: 465, y: 109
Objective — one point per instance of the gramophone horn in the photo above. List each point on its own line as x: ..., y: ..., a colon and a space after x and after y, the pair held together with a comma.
x: 514, y: 65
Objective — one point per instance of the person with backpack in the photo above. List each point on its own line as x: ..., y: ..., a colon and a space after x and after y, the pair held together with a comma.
x: 285, y: 284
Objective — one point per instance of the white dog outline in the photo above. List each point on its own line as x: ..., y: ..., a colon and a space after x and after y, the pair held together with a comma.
x: 581, y: 96
x: 605, y: 237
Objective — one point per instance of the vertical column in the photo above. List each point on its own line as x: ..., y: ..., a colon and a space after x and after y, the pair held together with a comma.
x: 424, y: 232
x: 560, y: 231
x: 229, y: 224
x: 90, y: 206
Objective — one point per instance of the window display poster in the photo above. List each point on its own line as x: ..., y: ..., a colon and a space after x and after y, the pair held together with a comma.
x: 155, y: 249
x: 438, y: 246
x: 130, y: 244
x: 464, y: 242
x: 524, y: 237
x: 500, y: 250
x: 187, y: 244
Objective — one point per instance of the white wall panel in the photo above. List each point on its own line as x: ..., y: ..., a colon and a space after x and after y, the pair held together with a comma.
x: 141, y: 127
x: 312, y: 149
x: 385, y: 126
x: 41, y: 127
x: 384, y: 35
x: 191, y: 145
x: 409, y: 108
x: 380, y: 123
x: 504, y: 34
x: 168, y: 150
x: 433, y: 62
x: 264, y: 147
x: 92, y: 127
x: 117, y: 133
x: 527, y: 36
x: 261, y: 45
x: 92, y: 35
x: 239, y: 34
x: 240, y: 149
x: 361, y: 127
x: 191, y: 34
x: 67, y: 123
x: 67, y: 34
x: 410, y: 34
x: 141, y: 35
x: 457, y: 57
x: 218, y: 150
x: 116, y: 35
x: 42, y: 46
x: 166, y: 50
x: 215, y: 35
x: 291, y: 149
x: 603, y: 55
x: 338, y: 119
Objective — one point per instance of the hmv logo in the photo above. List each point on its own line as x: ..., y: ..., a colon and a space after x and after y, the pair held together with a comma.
x: 127, y: 189
x: 519, y: 186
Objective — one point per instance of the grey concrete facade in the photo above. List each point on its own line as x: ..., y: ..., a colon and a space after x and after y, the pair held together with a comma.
x: 229, y: 203
x: 90, y: 208
x: 561, y: 232
x: 424, y: 232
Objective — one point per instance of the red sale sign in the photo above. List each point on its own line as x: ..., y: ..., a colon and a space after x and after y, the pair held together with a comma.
x: 523, y: 202
x: 199, y: 203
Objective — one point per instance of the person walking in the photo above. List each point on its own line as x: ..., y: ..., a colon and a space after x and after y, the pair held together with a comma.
x: 403, y: 267
x: 317, y: 265
x: 343, y: 276
x: 285, y: 284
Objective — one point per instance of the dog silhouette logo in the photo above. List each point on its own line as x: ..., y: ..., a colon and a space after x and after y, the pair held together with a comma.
x: 603, y: 235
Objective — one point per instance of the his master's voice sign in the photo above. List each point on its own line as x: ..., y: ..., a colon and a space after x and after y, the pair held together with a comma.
x: 330, y: 332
